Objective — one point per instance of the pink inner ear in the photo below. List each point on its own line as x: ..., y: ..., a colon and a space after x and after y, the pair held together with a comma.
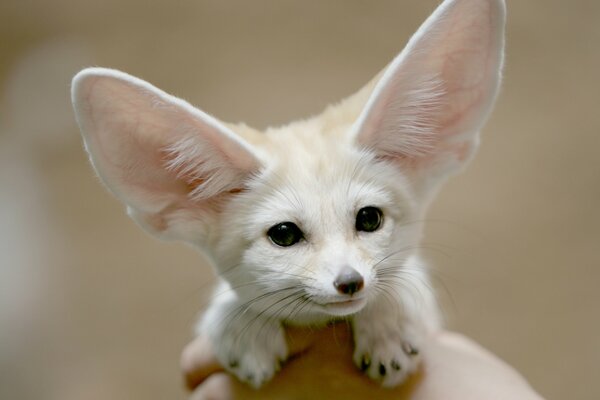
x: 169, y: 162
x: 469, y: 60
x: 434, y: 98
x: 133, y: 165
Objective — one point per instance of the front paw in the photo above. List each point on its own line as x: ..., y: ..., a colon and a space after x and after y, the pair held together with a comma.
x: 386, y: 353
x: 253, y: 352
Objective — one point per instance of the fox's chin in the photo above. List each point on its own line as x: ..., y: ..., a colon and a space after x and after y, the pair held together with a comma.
x: 344, y: 308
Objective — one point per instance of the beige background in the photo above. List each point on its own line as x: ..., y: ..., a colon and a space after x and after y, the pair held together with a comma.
x: 92, y: 308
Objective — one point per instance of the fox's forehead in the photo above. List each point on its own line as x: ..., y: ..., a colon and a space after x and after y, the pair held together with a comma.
x: 313, y: 173
x: 310, y: 156
x: 322, y: 180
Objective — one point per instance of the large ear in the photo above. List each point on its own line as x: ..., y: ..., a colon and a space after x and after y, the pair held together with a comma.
x: 426, y: 110
x: 169, y: 162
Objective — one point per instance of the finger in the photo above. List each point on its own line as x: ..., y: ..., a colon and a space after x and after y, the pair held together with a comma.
x: 198, y: 362
x: 216, y: 387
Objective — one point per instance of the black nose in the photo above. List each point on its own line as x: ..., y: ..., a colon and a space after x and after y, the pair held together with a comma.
x: 349, y: 281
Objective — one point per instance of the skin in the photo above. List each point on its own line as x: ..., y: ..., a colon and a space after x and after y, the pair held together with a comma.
x: 454, y: 367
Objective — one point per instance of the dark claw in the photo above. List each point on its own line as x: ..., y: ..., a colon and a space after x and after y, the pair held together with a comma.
x: 408, y: 349
x: 250, y: 377
x: 233, y: 364
x: 382, y: 370
x: 365, y: 363
x: 395, y: 365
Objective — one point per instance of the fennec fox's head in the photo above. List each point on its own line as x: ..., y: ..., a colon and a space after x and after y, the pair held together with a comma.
x: 329, y: 205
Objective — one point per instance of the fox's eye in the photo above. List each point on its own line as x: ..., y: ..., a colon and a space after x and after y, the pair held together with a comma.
x: 368, y: 219
x: 285, y: 234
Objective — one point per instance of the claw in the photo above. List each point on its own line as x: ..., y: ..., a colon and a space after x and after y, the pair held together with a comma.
x: 365, y: 363
x: 409, y: 349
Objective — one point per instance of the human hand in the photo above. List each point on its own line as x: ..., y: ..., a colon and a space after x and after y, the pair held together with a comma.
x: 321, y: 367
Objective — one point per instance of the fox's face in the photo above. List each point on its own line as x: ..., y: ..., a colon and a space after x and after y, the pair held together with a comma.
x: 325, y: 210
x: 328, y: 220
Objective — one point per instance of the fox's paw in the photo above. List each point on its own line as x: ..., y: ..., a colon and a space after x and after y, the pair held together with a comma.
x: 254, y: 353
x: 386, y: 354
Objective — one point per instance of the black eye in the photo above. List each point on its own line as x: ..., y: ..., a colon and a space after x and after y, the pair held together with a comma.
x: 368, y: 219
x: 285, y: 234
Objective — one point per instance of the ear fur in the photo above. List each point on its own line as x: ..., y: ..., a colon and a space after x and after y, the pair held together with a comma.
x: 428, y: 107
x: 168, y: 161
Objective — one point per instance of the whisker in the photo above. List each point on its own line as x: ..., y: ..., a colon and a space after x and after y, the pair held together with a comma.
x: 244, y: 307
x: 258, y: 316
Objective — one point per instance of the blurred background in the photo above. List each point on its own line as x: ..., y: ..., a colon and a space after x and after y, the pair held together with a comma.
x: 93, y: 308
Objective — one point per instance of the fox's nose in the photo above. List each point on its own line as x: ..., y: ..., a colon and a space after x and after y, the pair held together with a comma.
x: 349, y: 281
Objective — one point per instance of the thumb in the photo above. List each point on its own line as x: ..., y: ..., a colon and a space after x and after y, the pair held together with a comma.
x: 198, y: 362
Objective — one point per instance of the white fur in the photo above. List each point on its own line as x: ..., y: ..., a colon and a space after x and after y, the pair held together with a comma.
x: 187, y: 176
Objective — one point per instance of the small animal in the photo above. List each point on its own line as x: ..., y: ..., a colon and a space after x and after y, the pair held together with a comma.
x: 317, y: 220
